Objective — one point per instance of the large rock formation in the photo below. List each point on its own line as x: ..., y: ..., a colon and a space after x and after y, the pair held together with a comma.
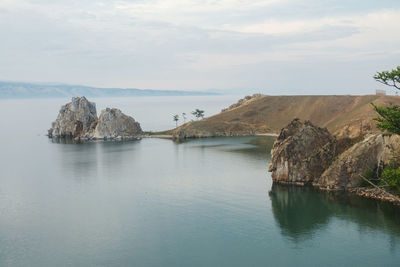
x: 75, y: 119
x: 113, y: 123
x: 301, y: 153
x: 306, y: 154
x: 78, y: 120
x: 345, y: 171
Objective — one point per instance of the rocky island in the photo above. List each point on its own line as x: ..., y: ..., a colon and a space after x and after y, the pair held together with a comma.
x: 78, y: 120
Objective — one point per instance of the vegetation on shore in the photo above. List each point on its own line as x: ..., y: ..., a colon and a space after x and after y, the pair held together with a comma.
x: 387, y: 177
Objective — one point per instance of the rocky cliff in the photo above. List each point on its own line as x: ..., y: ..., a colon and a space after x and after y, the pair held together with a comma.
x: 306, y: 154
x: 78, y: 120
x: 75, y: 119
x: 375, y: 150
x: 301, y: 153
x: 113, y: 123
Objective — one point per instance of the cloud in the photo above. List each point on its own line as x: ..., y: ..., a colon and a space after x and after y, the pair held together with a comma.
x: 190, y: 44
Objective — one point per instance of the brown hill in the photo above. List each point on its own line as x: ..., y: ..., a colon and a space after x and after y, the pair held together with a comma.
x: 343, y: 115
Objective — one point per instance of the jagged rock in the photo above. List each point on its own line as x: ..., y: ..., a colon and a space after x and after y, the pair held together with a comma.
x: 78, y: 120
x: 344, y: 172
x: 301, y: 153
x: 113, y: 123
x: 75, y: 119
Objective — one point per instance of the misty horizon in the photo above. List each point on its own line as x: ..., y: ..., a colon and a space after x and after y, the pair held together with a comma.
x: 276, y: 46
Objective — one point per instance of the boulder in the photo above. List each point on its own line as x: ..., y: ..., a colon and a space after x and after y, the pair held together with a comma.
x: 301, y: 153
x: 113, y: 123
x: 372, y: 152
x: 75, y: 119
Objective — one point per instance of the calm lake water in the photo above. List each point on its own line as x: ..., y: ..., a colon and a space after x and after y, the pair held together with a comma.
x: 158, y: 203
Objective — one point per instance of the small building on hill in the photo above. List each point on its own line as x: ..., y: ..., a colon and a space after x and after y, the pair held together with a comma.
x: 380, y: 92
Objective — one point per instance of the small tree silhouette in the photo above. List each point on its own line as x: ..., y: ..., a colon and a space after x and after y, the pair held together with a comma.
x: 198, y: 113
x: 184, y: 117
x: 176, y: 119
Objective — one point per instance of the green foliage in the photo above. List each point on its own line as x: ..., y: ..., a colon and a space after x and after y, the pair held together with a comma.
x: 198, y: 113
x: 176, y: 119
x: 389, y: 119
x: 390, y: 78
x: 391, y: 177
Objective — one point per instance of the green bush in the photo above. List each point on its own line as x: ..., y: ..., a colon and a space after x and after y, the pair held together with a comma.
x: 391, y: 177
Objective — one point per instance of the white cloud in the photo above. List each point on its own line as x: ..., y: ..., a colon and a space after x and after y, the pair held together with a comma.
x: 165, y: 44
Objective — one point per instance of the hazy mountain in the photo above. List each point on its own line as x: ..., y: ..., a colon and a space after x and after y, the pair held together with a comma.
x: 37, y: 90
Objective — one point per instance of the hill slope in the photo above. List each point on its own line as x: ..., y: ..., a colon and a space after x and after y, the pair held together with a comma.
x: 343, y: 115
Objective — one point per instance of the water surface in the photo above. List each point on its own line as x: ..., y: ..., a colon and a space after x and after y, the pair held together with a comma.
x: 154, y: 202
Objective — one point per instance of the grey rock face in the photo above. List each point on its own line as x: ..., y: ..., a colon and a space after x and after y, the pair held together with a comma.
x: 301, y: 153
x: 113, y: 123
x: 306, y: 154
x: 75, y: 119
x: 374, y: 151
x: 78, y: 120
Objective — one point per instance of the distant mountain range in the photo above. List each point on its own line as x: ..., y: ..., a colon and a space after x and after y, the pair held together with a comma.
x: 37, y: 90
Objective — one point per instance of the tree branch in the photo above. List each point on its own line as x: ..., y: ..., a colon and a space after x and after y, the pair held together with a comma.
x: 379, y: 188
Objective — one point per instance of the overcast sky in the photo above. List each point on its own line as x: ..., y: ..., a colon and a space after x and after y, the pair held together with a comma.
x: 269, y: 46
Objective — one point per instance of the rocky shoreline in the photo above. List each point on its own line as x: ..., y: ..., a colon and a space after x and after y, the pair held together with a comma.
x: 374, y: 193
x: 304, y: 154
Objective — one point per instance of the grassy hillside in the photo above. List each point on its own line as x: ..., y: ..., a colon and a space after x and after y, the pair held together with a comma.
x: 343, y: 115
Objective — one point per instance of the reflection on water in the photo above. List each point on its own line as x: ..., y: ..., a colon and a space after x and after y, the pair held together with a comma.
x: 301, y: 211
x: 84, y: 160
x: 249, y: 146
x: 153, y: 202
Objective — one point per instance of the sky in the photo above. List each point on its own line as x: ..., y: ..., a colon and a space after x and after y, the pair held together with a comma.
x: 271, y: 46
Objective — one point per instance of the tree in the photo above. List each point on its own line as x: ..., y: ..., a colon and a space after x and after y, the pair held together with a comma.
x: 389, y: 119
x: 184, y: 117
x: 390, y: 78
x: 176, y: 119
x: 198, y: 113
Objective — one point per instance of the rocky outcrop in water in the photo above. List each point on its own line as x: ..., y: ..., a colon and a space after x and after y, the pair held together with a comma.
x: 78, y: 120
x: 75, y: 119
x: 301, y: 153
x: 306, y: 154
x: 113, y: 123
